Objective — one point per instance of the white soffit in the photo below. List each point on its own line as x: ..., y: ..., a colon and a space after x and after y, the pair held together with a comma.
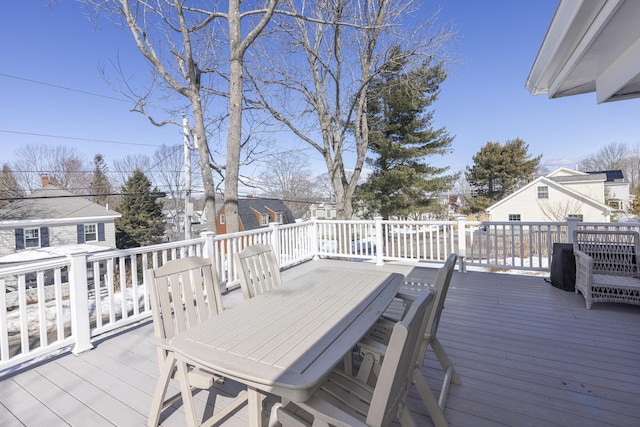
x: 590, y: 46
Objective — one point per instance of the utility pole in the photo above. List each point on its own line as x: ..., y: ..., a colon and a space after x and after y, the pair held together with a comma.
x: 187, y: 177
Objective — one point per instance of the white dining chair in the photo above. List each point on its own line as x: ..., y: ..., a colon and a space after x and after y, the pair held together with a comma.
x: 381, y: 332
x: 183, y: 292
x: 258, y: 270
x: 343, y: 400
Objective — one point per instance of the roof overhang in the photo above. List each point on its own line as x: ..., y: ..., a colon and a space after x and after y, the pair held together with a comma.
x: 590, y: 46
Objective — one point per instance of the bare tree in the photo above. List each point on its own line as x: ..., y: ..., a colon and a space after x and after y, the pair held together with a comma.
x: 183, y: 43
x: 609, y: 157
x: 122, y: 169
x: 559, y: 211
x: 316, y: 70
x: 167, y: 173
x: 9, y: 187
x: 289, y: 178
x: 65, y: 167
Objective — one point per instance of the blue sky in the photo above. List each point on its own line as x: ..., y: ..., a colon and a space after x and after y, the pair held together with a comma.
x: 484, y: 98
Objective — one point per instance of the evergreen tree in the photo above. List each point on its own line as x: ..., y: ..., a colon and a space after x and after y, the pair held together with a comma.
x: 100, y: 185
x: 401, y: 137
x: 498, y: 170
x: 9, y: 187
x: 142, y: 221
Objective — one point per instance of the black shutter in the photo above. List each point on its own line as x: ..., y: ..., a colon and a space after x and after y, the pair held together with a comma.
x: 101, y: 232
x: 19, y: 238
x: 44, y: 237
x: 80, y: 233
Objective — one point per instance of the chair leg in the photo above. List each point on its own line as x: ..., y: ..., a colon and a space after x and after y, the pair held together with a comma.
x: 429, y: 399
x: 182, y: 375
x: 444, y: 360
x: 405, y: 417
x: 158, y: 402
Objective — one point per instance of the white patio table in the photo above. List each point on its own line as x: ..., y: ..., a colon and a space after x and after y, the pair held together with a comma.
x: 287, y: 340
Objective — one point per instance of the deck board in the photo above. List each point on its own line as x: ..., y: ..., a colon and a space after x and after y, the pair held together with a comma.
x: 528, y: 354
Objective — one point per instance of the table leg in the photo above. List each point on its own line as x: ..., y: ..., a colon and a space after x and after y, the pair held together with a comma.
x: 256, y: 398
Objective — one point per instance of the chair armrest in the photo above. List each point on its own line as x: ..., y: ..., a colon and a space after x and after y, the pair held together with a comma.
x: 584, y: 269
x: 162, y: 343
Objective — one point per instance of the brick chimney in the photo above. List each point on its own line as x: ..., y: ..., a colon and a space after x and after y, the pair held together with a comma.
x: 45, y: 180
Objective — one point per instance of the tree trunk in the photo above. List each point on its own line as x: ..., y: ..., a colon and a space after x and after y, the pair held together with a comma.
x: 235, y: 120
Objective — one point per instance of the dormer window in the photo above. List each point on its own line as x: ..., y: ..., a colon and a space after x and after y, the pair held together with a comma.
x: 264, y: 219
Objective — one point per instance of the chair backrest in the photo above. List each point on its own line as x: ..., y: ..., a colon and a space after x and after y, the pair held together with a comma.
x: 392, y: 386
x: 258, y: 270
x: 442, y: 287
x: 614, y: 252
x: 184, y: 292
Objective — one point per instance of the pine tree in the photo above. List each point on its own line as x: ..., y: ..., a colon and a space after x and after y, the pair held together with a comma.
x: 401, y: 137
x: 498, y: 170
x: 142, y: 221
x: 100, y: 185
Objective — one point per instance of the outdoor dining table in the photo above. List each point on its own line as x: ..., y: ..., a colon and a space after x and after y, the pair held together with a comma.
x: 286, y: 341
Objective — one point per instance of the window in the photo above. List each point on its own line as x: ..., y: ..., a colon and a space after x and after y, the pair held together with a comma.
x: 90, y: 233
x: 221, y: 219
x: 543, y: 192
x: 280, y: 218
x: 31, y: 237
x: 578, y: 216
x: 514, y: 217
x: 264, y: 219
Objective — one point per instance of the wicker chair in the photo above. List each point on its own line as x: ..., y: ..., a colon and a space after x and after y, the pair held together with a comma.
x: 607, y: 266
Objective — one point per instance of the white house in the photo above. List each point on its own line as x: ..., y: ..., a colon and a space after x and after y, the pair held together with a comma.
x: 52, y: 222
x: 323, y: 211
x: 561, y: 194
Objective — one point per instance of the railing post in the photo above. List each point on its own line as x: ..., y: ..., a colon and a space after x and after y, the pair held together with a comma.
x: 207, y: 249
x: 314, y: 237
x: 572, y: 224
x: 378, y: 229
x: 275, y: 239
x: 462, y: 244
x: 79, y: 301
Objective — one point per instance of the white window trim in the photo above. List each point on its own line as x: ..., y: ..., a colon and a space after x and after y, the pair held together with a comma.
x: 39, y: 237
x: 545, y: 193
x: 95, y: 227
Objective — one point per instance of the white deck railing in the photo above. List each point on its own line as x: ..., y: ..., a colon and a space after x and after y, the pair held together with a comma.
x: 48, y: 305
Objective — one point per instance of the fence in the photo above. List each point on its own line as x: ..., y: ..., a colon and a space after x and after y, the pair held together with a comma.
x: 49, y: 305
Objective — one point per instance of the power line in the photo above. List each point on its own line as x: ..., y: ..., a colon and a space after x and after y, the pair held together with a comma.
x: 107, y: 141
x: 64, y: 87
x: 158, y: 194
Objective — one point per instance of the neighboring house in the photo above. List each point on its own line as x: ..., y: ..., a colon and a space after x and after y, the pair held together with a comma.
x: 53, y: 222
x: 255, y: 213
x: 616, y: 189
x: 323, y: 211
x: 561, y: 194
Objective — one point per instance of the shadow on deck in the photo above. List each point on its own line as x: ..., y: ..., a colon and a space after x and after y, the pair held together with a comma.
x: 528, y: 354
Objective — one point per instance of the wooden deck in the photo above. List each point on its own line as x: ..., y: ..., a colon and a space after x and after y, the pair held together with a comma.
x: 528, y: 354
